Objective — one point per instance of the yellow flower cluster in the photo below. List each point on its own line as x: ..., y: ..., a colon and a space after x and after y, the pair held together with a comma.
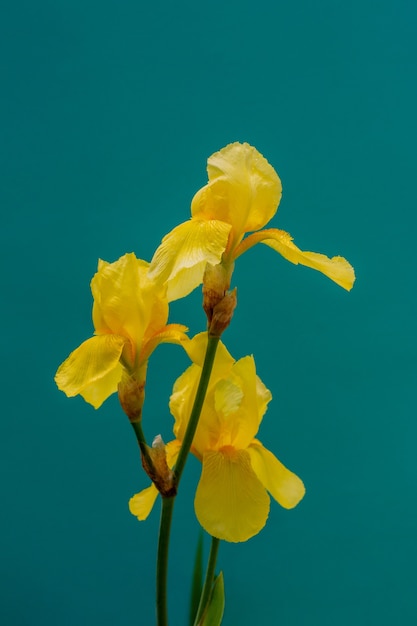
x: 130, y: 315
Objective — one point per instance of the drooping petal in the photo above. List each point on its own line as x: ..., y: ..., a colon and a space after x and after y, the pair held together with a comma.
x: 171, y: 333
x: 283, y: 485
x: 181, y: 258
x: 100, y: 390
x: 243, y: 190
x: 141, y: 504
x: 230, y: 502
x: 92, y: 369
x: 337, y: 268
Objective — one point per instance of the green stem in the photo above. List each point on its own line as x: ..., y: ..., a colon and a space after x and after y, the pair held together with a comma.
x: 208, y: 582
x: 162, y: 562
x: 137, y: 427
x: 212, y: 344
x: 168, y: 503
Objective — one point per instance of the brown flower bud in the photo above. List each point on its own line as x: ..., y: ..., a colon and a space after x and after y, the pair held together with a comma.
x: 218, y: 302
x: 160, y: 474
x: 222, y: 314
x: 132, y: 396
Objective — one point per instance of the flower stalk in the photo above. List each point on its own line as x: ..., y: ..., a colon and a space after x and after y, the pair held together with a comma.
x: 168, y: 502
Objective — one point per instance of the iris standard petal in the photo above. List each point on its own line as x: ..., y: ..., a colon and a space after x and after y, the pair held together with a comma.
x: 89, y: 364
x: 337, y: 268
x: 283, y: 485
x: 181, y: 258
x: 142, y: 503
x: 185, y: 387
x: 127, y: 302
x: 230, y: 502
x: 237, y: 406
x: 243, y: 190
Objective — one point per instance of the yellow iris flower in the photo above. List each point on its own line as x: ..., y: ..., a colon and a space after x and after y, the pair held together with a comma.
x: 242, y: 196
x: 231, y: 501
x: 130, y: 313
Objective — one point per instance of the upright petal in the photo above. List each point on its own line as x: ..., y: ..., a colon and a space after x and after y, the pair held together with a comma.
x: 230, y: 502
x: 237, y: 406
x: 283, y: 485
x: 337, y: 268
x: 184, y: 391
x: 122, y: 301
x: 181, y: 258
x: 243, y: 190
x: 93, y: 369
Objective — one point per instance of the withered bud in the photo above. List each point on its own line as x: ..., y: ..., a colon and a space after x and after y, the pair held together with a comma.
x: 159, y: 473
x: 216, y: 283
x: 222, y: 314
x: 132, y: 396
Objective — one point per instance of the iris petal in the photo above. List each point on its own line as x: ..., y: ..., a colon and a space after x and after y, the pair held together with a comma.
x: 243, y: 190
x: 196, y: 350
x: 93, y: 368
x: 120, y: 303
x: 172, y: 333
x: 181, y: 258
x: 283, y: 485
x: 142, y: 503
x: 337, y: 268
x: 230, y: 502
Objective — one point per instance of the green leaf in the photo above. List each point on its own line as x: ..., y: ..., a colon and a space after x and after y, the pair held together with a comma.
x: 214, y: 612
x: 197, y: 583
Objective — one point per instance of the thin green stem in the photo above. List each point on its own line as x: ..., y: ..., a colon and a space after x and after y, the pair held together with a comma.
x: 212, y: 344
x: 162, y: 562
x: 137, y: 427
x: 168, y: 503
x: 208, y: 582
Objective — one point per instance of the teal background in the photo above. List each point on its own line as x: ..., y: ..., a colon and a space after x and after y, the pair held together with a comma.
x: 108, y: 112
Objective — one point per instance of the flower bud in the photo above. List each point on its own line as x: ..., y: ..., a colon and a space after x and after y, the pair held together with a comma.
x: 159, y: 473
x: 132, y: 396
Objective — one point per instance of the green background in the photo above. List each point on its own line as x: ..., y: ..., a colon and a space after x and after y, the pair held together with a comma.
x: 108, y: 112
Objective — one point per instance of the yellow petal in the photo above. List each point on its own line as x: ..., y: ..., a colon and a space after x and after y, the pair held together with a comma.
x: 126, y: 302
x: 196, y: 350
x: 183, y: 254
x: 172, y: 451
x: 185, y: 387
x: 172, y: 333
x: 241, y: 400
x: 337, y: 268
x: 142, y: 503
x: 93, y: 369
x: 230, y: 502
x: 243, y: 190
x: 283, y: 485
